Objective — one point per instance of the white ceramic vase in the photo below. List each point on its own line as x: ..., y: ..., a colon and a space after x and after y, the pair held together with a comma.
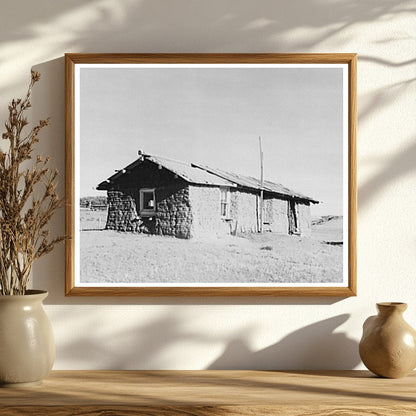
x: 27, y: 347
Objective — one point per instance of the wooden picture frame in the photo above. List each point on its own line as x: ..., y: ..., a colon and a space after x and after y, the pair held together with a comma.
x: 178, y: 83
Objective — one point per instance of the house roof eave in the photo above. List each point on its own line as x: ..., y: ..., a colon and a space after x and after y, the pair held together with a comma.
x: 198, y: 174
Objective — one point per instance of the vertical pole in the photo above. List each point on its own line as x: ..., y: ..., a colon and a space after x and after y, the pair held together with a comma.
x: 261, y: 188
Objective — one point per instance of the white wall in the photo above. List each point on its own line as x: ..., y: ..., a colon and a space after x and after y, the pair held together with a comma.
x: 198, y: 333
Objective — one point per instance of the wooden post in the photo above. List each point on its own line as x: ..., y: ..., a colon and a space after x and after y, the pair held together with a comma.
x: 261, y: 187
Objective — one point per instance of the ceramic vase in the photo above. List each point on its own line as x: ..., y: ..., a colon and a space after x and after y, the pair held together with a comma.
x: 388, y: 345
x: 27, y: 347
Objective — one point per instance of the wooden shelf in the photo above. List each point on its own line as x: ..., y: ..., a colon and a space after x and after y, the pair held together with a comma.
x: 202, y: 393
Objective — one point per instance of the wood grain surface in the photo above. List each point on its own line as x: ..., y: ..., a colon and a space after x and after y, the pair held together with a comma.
x: 203, y: 393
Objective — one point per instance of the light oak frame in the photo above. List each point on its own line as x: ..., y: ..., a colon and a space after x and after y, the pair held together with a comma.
x: 334, y: 58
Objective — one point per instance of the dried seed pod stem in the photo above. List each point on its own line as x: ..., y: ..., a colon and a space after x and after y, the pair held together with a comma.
x: 28, y: 199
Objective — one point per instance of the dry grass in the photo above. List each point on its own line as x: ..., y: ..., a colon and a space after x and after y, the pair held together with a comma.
x: 109, y: 256
x: 92, y: 220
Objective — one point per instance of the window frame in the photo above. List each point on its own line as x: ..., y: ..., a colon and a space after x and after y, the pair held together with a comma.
x: 227, y: 191
x: 146, y: 212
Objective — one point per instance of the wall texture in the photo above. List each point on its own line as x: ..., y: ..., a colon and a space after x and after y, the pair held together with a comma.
x: 192, y: 333
x: 243, y: 210
x: 174, y: 215
x: 276, y: 215
x: 122, y: 212
x: 304, y: 218
x: 205, y: 207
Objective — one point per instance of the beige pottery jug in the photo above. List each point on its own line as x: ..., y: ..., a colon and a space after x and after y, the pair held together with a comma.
x: 27, y: 347
x: 388, y: 345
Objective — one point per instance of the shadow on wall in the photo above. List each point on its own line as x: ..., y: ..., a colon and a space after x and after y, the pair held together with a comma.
x: 242, y: 26
x: 382, y: 97
x: 104, y: 26
x: 150, y: 26
x: 48, y: 99
x: 314, y: 347
x: 397, y: 166
x: 152, y: 345
x: 142, y: 347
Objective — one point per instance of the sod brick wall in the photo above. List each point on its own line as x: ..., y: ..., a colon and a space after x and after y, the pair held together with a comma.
x: 122, y: 214
x: 173, y: 213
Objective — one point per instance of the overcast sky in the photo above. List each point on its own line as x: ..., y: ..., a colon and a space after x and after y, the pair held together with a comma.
x: 214, y: 116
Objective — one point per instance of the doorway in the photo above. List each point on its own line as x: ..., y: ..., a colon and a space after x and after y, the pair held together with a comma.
x: 293, y: 217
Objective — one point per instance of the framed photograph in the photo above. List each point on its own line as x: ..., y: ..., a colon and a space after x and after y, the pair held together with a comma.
x: 211, y: 174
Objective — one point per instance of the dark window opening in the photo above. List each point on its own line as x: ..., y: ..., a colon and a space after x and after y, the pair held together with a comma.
x: 147, y: 202
x: 293, y: 217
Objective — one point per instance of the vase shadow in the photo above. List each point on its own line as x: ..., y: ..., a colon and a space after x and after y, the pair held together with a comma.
x: 314, y: 347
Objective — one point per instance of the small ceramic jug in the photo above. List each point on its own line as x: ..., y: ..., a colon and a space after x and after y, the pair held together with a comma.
x: 388, y: 344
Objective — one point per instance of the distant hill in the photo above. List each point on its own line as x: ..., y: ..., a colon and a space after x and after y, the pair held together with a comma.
x: 325, y: 218
x: 328, y: 228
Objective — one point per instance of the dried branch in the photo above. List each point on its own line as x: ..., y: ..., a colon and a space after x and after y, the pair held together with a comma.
x: 23, y: 218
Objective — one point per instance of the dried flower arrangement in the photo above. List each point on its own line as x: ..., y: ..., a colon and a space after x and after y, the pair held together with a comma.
x: 28, y: 199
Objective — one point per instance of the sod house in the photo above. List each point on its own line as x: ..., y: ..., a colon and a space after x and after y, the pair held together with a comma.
x: 162, y: 196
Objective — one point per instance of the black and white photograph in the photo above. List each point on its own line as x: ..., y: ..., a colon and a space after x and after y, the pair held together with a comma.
x: 211, y: 174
